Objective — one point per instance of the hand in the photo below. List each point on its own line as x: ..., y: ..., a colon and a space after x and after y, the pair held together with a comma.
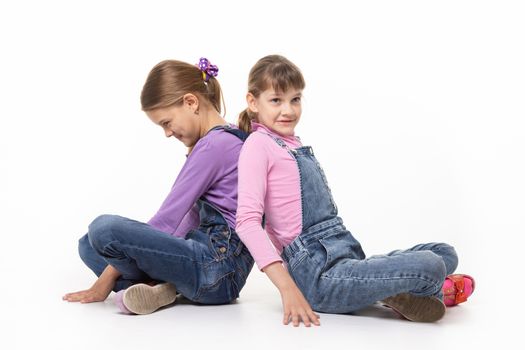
x: 99, y: 291
x: 294, y: 303
x: 297, y: 309
x: 91, y: 295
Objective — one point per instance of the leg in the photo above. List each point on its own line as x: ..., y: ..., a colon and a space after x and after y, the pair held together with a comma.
x: 137, y: 249
x: 97, y: 263
x: 345, y: 284
x: 445, y: 251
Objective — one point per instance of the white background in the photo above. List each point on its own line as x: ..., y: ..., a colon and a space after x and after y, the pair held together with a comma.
x: 414, y: 108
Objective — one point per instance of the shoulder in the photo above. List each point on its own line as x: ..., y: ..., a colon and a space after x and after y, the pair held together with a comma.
x: 257, y: 147
x: 217, y: 142
x: 258, y: 139
x: 220, y: 138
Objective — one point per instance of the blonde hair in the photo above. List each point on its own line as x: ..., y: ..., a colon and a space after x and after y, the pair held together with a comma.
x: 270, y: 71
x: 170, y: 80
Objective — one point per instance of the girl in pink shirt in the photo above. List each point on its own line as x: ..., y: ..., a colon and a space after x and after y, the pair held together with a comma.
x: 303, y: 246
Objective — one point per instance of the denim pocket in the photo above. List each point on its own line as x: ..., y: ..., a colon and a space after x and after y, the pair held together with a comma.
x: 336, y: 248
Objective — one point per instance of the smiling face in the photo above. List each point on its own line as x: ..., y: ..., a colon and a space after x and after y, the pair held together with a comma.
x: 279, y: 111
x: 181, y: 122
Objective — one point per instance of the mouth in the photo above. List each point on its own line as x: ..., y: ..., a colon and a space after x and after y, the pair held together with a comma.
x: 285, y: 121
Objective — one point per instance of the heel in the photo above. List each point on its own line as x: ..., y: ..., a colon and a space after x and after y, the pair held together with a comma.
x: 144, y: 299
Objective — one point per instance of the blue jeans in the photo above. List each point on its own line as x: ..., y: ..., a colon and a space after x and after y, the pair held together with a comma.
x: 336, y: 278
x: 209, y: 266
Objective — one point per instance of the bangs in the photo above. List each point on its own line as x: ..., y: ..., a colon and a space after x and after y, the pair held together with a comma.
x: 282, y: 78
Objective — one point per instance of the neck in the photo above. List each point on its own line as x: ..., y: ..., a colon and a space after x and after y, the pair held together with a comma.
x: 210, y: 119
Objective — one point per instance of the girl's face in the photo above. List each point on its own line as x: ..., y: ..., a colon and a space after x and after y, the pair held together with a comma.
x: 279, y: 111
x: 179, y: 121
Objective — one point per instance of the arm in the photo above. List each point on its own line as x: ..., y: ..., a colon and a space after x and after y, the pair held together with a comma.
x: 99, y: 291
x: 254, y: 167
x: 200, y: 171
x: 190, y: 221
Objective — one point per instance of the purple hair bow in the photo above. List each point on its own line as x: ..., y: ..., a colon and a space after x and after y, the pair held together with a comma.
x: 208, y: 69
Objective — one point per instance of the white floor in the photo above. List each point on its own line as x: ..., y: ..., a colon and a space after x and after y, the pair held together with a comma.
x: 415, y: 110
x: 37, y: 317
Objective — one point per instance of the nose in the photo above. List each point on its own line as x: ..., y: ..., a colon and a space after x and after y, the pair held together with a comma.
x: 286, y: 109
x: 168, y: 132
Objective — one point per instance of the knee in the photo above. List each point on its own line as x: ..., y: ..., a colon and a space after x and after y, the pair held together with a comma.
x: 433, y: 266
x: 100, y: 230
x: 84, y: 248
x: 449, y: 255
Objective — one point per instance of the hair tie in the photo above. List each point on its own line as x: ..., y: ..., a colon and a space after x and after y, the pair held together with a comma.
x: 208, y: 70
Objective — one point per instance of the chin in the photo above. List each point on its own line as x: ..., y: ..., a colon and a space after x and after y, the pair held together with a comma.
x: 286, y: 131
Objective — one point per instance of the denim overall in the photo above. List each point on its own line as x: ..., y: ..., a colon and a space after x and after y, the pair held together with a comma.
x: 209, y: 266
x: 329, y: 266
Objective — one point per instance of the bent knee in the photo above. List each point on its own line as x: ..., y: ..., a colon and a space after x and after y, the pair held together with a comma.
x: 449, y: 255
x: 84, y: 247
x: 432, y: 265
x: 101, y: 227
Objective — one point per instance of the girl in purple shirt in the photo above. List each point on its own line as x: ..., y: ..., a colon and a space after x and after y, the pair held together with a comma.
x: 189, y: 247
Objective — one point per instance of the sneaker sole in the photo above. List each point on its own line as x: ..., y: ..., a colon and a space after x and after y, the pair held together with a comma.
x: 143, y: 299
x: 416, y: 309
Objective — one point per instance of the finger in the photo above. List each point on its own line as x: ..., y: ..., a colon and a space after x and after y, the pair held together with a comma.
x: 315, y: 318
x: 69, y: 295
x: 306, y: 319
x: 75, y: 297
x: 295, y: 320
x: 286, y: 318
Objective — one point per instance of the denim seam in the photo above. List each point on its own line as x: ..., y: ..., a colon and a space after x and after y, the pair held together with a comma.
x: 298, y: 260
x: 359, y: 279
x: 153, y: 251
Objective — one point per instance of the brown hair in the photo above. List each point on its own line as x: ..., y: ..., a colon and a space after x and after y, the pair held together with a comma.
x: 270, y: 71
x: 170, y: 80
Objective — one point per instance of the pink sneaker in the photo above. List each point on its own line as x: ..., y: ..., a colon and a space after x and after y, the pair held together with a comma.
x: 457, y: 288
x: 119, y: 301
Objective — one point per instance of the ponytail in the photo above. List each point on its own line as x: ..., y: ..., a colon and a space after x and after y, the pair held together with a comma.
x: 215, y: 95
x: 245, y: 120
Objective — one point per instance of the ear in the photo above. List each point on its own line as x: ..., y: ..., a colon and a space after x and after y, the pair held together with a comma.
x: 252, y: 102
x: 190, y: 101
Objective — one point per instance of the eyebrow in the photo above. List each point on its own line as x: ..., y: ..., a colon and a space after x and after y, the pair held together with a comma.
x: 280, y: 94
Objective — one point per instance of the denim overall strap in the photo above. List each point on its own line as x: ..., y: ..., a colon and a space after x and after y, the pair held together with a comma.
x: 242, y: 135
x: 209, y: 215
x: 316, y: 198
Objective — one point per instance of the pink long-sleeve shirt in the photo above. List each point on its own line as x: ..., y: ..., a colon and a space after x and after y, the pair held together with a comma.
x: 269, y: 183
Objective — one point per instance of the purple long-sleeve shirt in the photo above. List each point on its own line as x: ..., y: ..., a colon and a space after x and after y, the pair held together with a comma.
x: 210, y: 171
